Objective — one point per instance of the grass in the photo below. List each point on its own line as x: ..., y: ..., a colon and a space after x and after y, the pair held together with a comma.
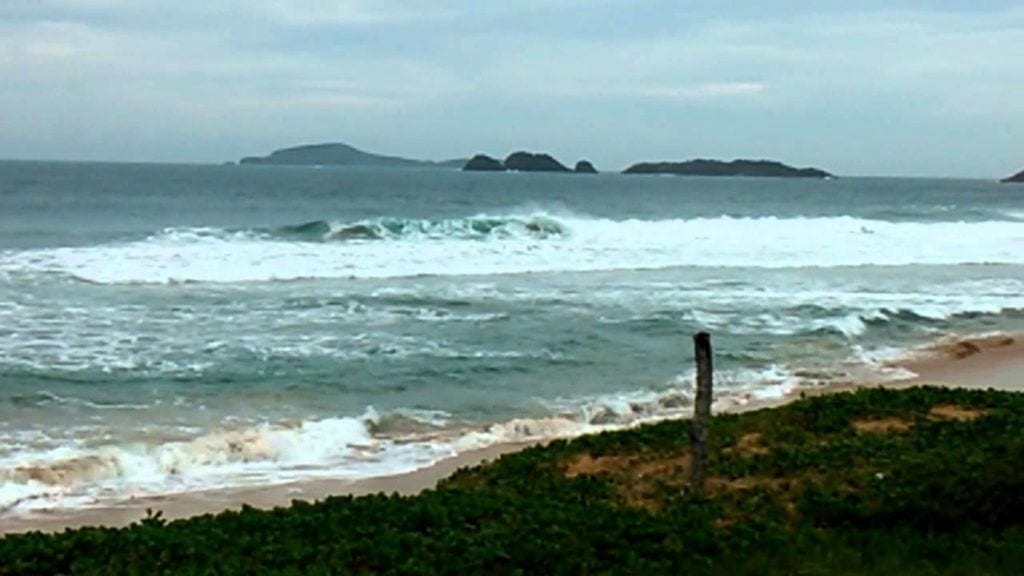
x: 918, y: 481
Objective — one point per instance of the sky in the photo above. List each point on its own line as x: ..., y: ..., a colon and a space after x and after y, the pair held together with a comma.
x: 857, y: 88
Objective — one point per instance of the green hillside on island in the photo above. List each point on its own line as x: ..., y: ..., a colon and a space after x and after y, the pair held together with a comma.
x: 912, y: 482
x: 338, y: 154
x: 749, y: 168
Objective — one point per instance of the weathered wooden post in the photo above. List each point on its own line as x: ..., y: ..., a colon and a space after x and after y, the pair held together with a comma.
x: 701, y: 410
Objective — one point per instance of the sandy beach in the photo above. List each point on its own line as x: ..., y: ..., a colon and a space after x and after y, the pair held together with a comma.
x: 995, y: 361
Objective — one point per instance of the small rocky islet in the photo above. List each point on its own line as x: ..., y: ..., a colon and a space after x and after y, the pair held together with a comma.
x: 584, y: 167
x: 522, y: 161
x: 484, y: 163
x: 533, y: 162
x: 739, y: 167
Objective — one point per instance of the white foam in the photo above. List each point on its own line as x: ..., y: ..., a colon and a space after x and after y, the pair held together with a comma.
x: 218, y: 458
x: 791, y: 306
x: 119, y: 338
x: 209, y: 255
x: 732, y: 388
x: 75, y: 474
x: 850, y: 325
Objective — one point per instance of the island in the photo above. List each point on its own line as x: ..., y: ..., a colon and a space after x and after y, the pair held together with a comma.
x: 530, y: 162
x: 484, y: 163
x: 703, y: 167
x: 339, y: 154
x: 520, y: 161
x: 1018, y: 177
x: 584, y: 167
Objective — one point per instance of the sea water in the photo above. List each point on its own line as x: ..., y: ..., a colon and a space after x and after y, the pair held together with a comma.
x: 167, y: 328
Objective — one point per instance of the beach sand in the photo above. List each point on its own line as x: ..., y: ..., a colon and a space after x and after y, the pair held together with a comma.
x: 987, y: 362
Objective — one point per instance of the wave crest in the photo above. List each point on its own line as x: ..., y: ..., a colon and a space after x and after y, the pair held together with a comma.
x: 475, y: 227
x: 532, y: 243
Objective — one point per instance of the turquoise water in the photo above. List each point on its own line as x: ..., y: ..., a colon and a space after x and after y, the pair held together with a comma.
x: 171, y: 328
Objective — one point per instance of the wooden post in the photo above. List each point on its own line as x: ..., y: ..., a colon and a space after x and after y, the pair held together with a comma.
x: 701, y: 410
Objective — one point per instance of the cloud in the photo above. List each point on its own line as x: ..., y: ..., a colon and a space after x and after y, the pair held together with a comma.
x: 340, y: 12
x: 705, y: 91
x: 467, y: 71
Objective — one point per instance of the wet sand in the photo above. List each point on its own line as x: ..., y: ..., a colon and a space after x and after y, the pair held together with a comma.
x: 987, y: 362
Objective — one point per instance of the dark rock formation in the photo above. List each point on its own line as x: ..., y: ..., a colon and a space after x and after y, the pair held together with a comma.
x: 338, y: 154
x: 528, y: 162
x: 525, y: 162
x: 483, y: 163
x: 701, y: 167
x: 584, y: 167
x: 1018, y: 177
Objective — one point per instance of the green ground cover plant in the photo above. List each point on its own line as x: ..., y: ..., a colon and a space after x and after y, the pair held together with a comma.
x: 916, y: 481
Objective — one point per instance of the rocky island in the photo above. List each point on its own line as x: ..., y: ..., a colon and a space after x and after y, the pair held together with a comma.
x: 1018, y: 177
x: 484, y: 163
x: 702, y: 167
x: 584, y: 167
x: 338, y: 154
x: 522, y: 161
x: 530, y: 162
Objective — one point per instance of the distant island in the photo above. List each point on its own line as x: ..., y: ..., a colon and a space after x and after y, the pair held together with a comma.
x: 522, y: 161
x: 1018, y: 177
x: 484, y: 163
x: 338, y: 154
x: 702, y: 167
x: 584, y: 167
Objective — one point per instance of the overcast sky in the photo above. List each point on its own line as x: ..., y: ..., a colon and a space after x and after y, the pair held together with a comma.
x: 858, y: 88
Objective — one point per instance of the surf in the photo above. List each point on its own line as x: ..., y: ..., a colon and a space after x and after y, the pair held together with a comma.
x: 485, y: 245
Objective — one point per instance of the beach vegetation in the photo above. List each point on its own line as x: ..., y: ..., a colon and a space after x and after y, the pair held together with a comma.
x: 912, y: 482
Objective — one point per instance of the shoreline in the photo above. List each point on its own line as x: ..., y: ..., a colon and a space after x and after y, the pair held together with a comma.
x: 988, y: 361
x: 187, y: 504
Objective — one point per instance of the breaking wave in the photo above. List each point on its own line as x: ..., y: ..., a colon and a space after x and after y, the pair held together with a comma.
x: 538, y: 242
x: 473, y: 228
x: 369, y: 445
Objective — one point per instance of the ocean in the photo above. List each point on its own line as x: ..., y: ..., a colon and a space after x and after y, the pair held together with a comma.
x: 173, y: 328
